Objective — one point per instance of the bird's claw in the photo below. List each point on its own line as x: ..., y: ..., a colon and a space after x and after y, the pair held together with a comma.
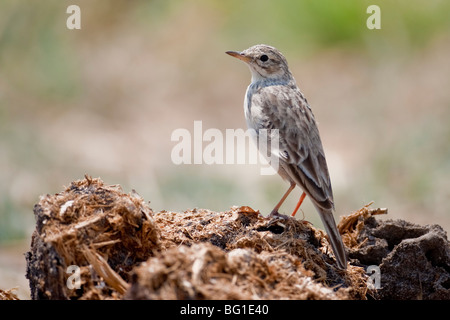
x: 276, y: 214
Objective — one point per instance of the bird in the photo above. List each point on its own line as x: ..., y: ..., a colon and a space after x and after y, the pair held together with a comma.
x: 274, y: 101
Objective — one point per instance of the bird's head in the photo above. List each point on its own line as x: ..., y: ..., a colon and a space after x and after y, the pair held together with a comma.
x: 265, y: 62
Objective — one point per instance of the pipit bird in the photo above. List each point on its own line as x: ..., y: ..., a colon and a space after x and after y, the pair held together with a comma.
x: 273, y: 101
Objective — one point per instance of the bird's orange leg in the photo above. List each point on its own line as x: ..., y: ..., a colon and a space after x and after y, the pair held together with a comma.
x: 302, y: 197
x: 275, y: 210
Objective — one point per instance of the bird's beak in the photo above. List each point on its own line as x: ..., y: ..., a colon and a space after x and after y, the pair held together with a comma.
x: 239, y: 55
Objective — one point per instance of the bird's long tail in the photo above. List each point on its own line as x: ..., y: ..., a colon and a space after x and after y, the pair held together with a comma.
x: 335, y: 238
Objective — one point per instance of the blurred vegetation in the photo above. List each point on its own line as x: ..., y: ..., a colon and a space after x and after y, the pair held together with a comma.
x: 45, y: 78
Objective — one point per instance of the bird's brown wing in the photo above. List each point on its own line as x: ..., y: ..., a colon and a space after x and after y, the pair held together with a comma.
x: 300, y: 148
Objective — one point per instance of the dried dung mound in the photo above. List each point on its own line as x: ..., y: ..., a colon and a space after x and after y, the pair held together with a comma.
x: 203, y: 271
x: 125, y: 251
x: 413, y: 260
x: 8, y: 295
x: 239, y: 254
x: 95, y: 227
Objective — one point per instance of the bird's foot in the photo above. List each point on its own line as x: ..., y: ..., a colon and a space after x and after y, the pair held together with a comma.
x: 276, y: 214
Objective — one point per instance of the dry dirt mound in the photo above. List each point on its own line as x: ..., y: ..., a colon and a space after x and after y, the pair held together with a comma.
x: 118, y: 248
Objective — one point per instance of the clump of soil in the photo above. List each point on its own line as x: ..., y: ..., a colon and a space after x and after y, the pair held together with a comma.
x: 124, y: 250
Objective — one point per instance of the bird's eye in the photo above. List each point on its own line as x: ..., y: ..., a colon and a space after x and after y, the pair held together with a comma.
x: 264, y: 58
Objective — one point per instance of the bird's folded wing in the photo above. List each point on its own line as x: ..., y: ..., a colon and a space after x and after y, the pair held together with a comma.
x: 300, y: 148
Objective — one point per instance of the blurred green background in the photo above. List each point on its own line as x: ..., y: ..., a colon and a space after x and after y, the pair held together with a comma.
x: 105, y: 99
